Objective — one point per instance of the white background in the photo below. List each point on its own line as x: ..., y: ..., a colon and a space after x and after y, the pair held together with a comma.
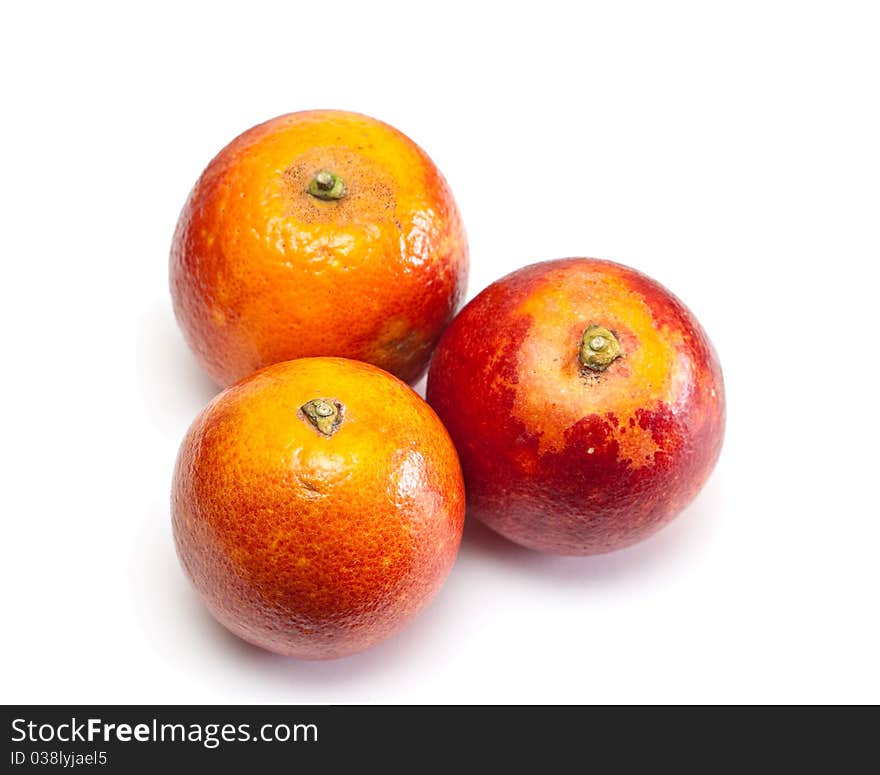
x: 730, y: 150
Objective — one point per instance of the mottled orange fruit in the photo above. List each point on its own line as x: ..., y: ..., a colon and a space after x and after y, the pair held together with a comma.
x: 317, y: 506
x: 318, y: 233
x: 586, y: 403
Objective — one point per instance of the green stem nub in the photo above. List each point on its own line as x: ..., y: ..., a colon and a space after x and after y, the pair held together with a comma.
x: 327, y: 185
x: 599, y: 347
x: 324, y: 414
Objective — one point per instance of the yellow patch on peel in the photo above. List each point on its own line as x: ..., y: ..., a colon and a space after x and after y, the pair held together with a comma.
x: 218, y: 316
x: 635, y: 445
x: 554, y: 392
